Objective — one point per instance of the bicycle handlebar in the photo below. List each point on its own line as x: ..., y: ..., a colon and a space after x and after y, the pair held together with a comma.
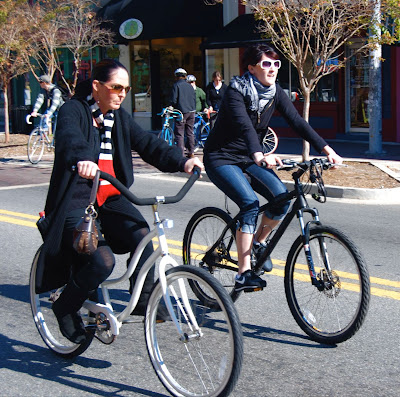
x: 28, y: 117
x: 174, y: 112
x: 151, y: 200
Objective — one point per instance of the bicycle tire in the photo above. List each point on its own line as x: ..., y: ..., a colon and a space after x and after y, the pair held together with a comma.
x: 270, y: 141
x: 204, y: 132
x: 202, y: 231
x: 336, y: 313
x: 206, y: 363
x: 46, y: 322
x: 35, y: 147
x: 167, y: 135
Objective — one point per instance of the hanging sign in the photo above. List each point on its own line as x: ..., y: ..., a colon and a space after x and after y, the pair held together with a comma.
x: 131, y: 28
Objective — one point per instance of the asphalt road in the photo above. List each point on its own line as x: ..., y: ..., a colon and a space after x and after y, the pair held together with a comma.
x: 279, y: 359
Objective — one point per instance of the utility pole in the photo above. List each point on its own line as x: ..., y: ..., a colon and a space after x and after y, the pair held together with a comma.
x: 375, y: 85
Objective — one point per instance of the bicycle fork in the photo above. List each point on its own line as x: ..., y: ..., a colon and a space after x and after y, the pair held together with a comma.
x: 305, y: 233
x: 182, y: 302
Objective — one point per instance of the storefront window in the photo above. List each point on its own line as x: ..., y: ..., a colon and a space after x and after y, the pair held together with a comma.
x: 326, y: 90
x: 215, y: 61
x: 140, y: 78
x: 357, y: 90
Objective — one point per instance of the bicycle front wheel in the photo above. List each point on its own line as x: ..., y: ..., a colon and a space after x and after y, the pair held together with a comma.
x: 167, y: 135
x: 46, y: 322
x: 35, y: 147
x: 206, y: 358
x: 203, y: 230
x: 334, y: 310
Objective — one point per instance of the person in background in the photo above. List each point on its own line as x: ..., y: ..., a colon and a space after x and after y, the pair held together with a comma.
x: 183, y: 98
x: 96, y: 133
x: 201, y: 103
x: 234, y: 159
x: 49, y: 91
x: 215, y: 91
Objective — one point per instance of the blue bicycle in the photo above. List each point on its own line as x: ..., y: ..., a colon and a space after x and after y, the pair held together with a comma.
x: 167, y: 131
x: 201, y: 129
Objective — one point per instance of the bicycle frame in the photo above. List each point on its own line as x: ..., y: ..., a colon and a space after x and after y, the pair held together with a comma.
x: 299, y: 207
x: 162, y: 252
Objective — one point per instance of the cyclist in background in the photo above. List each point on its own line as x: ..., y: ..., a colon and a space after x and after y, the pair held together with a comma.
x: 183, y: 98
x: 233, y: 152
x: 52, y: 92
x: 201, y: 103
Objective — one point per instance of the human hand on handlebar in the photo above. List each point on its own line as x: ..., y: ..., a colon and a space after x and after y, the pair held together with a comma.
x: 87, y: 169
x: 191, y: 163
x: 267, y: 160
x: 333, y: 157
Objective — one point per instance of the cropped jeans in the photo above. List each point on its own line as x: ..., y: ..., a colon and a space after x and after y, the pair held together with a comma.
x: 240, y: 182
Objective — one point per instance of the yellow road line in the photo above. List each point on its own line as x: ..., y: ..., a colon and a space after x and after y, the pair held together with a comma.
x: 381, y: 292
x: 19, y: 214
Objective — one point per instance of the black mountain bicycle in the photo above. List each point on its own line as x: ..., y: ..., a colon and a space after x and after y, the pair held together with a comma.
x: 326, y: 279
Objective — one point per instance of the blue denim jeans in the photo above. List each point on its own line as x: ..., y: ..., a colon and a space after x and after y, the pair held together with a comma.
x: 240, y: 182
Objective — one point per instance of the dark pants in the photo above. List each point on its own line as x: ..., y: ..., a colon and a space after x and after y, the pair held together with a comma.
x: 123, y: 228
x: 182, y: 128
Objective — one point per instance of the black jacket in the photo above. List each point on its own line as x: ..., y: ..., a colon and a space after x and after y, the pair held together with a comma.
x: 214, y: 97
x: 238, y: 131
x: 77, y: 139
x: 183, y: 96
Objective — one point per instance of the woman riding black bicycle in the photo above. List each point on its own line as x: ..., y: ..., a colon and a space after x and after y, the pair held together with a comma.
x: 95, y: 133
x: 233, y: 152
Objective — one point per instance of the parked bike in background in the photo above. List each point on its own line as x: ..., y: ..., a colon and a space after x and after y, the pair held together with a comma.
x: 167, y: 131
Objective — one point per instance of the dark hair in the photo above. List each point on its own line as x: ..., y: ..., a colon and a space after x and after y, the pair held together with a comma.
x: 253, y: 54
x: 217, y: 75
x: 105, y: 68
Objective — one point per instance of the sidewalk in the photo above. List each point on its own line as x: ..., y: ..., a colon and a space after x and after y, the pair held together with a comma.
x: 350, y: 151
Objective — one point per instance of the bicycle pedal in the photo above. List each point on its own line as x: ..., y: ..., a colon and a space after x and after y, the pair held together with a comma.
x: 253, y: 289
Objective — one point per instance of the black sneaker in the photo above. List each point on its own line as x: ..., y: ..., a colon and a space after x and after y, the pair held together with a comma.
x: 249, y: 282
x: 258, y: 249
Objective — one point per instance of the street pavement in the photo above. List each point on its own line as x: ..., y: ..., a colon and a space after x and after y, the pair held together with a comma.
x: 388, y: 161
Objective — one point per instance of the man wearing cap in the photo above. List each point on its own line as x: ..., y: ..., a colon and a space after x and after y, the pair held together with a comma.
x: 52, y: 92
x: 183, y: 98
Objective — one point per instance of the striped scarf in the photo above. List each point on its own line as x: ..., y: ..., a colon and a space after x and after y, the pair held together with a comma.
x: 105, y: 162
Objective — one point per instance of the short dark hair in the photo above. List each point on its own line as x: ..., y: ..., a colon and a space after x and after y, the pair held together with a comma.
x: 105, y: 68
x: 253, y: 54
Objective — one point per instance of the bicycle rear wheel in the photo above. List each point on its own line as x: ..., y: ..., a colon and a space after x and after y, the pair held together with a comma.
x: 202, y: 231
x: 334, y: 311
x: 46, y: 322
x: 167, y: 135
x: 35, y: 147
x: 201, y: 362
x: 270, y: 141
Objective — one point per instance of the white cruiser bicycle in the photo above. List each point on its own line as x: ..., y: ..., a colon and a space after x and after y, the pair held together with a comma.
x: 197, y: 353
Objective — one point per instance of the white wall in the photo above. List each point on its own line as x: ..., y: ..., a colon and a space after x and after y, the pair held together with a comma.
x: 125, y: 59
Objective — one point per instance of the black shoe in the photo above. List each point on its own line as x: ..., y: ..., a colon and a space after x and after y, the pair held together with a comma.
x: 249, y: 282
x: 258, y: 249
x: 66, y: 309
x: 71, y: 325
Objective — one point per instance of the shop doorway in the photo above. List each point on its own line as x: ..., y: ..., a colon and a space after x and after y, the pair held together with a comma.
x: 357, y: 90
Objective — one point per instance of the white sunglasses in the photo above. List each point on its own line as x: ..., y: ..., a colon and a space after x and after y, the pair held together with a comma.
x: 269, y: 64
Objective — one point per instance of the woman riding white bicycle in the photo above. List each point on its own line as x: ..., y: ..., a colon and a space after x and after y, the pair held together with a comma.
x: 95, y: 133
x: 234, y: 149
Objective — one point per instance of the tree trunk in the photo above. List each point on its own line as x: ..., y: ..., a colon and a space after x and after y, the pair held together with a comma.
x: 306, y: 113
x: 6, y: 117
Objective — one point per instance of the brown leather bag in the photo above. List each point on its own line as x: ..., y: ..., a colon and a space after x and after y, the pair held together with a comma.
x: 85, y: 234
